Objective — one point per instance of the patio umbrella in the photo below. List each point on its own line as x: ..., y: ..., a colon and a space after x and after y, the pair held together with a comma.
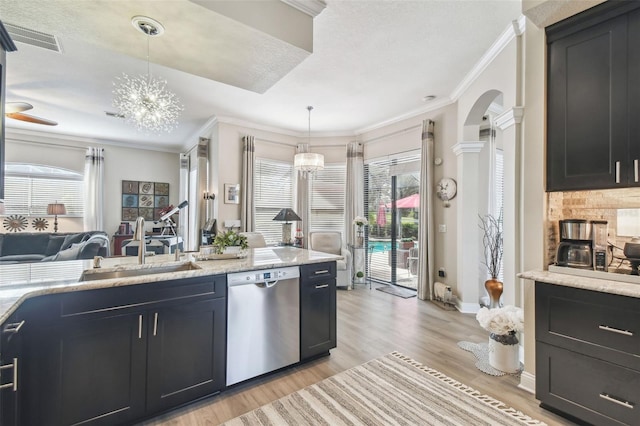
x: 410, y: 202
x: 381, y: 218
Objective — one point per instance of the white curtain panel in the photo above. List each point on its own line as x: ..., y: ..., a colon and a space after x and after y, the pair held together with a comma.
x: 94, y: 189
x: 247, y: 210
x: 302, y: 198
x: 426, y: 220
x: 354, y: 194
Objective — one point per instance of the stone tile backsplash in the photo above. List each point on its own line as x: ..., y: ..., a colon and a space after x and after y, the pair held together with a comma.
x: 589, y: 205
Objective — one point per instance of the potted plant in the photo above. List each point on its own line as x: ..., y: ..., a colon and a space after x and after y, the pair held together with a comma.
x: 492, y: 240
x: 502, y: 324
x: 406, y: 243
x: 360, y: 222
x: 230, y: 242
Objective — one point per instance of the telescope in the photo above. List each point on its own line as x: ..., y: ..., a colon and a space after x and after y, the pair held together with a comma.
x: 166, y: 218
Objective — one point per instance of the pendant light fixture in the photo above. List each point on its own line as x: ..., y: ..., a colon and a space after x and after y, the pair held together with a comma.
x: 144, y: 100
x: 307, y: 163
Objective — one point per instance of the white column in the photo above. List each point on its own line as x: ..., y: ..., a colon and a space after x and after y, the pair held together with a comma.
x: 509, y: 122
x: 468, y: 233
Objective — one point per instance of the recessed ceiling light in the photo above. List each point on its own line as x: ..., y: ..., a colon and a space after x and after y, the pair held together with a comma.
x: 429, y: 98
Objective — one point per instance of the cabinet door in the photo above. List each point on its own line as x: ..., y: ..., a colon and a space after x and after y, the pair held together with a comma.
x: 10, y: 364
x: 317, y: 316
x: 587, y: 125
x: 89, y: 372
x: 186, y: 353
x: 634, y: 99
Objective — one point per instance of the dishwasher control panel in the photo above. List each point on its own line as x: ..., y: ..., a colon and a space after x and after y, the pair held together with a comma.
x: 263, y: 275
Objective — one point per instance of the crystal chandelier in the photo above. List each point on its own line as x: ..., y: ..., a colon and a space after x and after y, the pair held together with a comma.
x: 307, y: 163
x: 145, y: 101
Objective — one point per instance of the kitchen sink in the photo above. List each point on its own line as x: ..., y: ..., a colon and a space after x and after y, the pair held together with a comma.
x: 96, y: 274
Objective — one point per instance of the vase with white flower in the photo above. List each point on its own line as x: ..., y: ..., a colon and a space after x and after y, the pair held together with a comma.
x: 503, y: 324
x: 360, y: 223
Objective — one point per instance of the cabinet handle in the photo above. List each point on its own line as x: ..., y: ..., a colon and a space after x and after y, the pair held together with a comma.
x: 14, y: 384
x: 322, y: 286
x: 617, y: 172
x: 616, y: 400
x: 14, y: 327
x: 155, y: 323
x: 139, y: 326
x: 323, y: 271
x: 615, y: 330
x: 635, y: 170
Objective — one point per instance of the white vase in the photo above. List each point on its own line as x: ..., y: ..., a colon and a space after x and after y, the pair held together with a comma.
x: 504, y: 353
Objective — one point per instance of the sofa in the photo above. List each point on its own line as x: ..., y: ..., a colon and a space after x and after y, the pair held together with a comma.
x: 47, y: 247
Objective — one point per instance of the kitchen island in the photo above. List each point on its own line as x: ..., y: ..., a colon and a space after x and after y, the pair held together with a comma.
x: 143, y: 340
x: 587, y: 326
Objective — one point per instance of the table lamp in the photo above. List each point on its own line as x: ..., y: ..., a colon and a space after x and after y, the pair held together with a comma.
x: 287, y: 216
x: 56, y: 209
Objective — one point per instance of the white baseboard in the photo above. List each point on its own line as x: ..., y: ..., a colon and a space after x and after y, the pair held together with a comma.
x: 528, y: 382
x: 467, y: 308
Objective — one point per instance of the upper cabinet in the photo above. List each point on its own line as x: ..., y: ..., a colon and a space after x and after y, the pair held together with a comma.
x: 6, y: 45
x: 593, y: 99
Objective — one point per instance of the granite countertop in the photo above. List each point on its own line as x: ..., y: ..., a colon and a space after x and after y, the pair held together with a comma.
x: 21, y: 281
x: 604, y: 282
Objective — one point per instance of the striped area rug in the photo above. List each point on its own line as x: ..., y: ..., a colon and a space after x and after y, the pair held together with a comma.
x: 391, y: 390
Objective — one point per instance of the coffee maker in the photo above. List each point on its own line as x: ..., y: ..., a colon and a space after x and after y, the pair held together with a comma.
x: 583, y: 244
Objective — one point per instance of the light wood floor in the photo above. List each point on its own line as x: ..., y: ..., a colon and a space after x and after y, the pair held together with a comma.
x: 370, y: 324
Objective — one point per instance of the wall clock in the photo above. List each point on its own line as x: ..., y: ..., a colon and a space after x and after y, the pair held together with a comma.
x: 446, y: 190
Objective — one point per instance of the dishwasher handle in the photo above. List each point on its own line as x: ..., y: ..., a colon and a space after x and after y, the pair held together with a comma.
x: 267, y: 284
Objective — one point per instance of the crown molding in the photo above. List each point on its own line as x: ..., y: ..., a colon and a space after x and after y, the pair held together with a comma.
x: 433, y: 105
x: 312, y: 8
x: 470, y: 147
x: 35, y: 136
x: 509, y: 118
x: 5, y: 40
x: 516, y: 28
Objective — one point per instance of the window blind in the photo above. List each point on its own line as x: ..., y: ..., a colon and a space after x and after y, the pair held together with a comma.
x: 273, y: 191
x: 30, y: 188
x: 327, y: 199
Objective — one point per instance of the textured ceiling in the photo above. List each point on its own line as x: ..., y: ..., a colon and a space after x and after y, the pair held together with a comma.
x: 372, y: 61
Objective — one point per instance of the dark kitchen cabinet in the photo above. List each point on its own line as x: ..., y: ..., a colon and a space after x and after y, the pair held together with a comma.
x: 593, y: 99
x: 588, y: 354
x: 112, y: 356
x: 185, y: 359
x: 317, y: 309
x: 89, y: 372
x: 10, y: 361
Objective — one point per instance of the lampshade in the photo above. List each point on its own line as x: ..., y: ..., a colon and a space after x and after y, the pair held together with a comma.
x: 56, y: 208
x: 308, y: 162
x: 287, y: 215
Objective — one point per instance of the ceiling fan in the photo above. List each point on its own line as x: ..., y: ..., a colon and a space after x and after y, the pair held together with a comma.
x: 15, y: 110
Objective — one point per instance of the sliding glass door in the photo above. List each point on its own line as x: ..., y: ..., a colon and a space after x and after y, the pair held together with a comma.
x: 392, y: 201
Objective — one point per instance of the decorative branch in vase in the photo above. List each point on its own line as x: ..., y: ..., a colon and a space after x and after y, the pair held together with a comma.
x: 492, y: 241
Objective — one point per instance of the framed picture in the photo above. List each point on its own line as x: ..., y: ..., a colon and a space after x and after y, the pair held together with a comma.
x: 232, y: 193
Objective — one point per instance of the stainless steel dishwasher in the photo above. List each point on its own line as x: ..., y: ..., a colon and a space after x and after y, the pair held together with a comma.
x: 263, y: 322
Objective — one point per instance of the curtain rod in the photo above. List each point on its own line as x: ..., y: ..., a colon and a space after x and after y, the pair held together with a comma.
x: 295, y: 146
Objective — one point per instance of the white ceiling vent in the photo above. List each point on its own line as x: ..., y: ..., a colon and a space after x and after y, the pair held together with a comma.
x: 33, y: 37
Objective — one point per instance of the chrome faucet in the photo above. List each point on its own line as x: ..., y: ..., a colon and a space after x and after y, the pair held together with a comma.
x: 138, y: 235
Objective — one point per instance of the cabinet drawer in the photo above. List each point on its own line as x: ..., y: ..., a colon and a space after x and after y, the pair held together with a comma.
x: 100, y: 300
x: 569, y: 382
x: 587, y: 320
x: 318, y: 271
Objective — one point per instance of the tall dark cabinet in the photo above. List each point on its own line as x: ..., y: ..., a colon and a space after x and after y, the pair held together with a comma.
x: 6, y: 45
x: 317, y: 309
x: 593, y: 99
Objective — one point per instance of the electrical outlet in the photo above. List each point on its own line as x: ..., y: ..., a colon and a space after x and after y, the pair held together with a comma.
x: 442, y: 228
x: 442, y: 273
